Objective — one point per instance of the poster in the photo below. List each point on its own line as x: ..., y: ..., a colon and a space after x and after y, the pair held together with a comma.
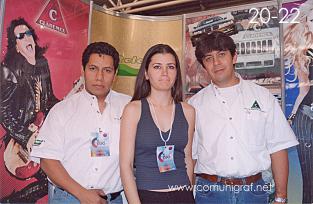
x: 257, y: 41
x: 41, y: 60
x: 298, y: 70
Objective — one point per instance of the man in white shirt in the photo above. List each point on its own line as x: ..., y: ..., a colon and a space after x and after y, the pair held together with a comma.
x: 78, y: 144
x: 240, y: 132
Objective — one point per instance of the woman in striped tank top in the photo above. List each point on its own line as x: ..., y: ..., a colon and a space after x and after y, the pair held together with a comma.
x: 156, y: 133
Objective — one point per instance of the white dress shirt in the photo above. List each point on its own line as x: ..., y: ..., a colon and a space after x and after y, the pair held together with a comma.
x: 66, y: 136
x: 237, y: 128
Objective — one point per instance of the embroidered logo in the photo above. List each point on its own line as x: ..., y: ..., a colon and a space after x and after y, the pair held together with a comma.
x: 38, y: 142
x: 255, y: 106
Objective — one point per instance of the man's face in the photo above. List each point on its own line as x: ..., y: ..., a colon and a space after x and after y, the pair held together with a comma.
x: 219, y: 65
x: 99, y: 75
x: 25, y: 43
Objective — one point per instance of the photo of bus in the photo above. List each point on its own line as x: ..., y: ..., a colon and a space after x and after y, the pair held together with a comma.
x: 258, y: 53
x: 219, y: 22
x: 223, y: 22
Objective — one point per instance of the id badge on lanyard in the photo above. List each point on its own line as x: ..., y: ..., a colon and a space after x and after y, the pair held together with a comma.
x: 165, y: 154
x: 100, y: 144
x: 165, y: 158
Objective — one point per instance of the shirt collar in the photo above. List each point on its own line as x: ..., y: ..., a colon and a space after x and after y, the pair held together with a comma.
x: 216, y: 89
x: 91, y: 97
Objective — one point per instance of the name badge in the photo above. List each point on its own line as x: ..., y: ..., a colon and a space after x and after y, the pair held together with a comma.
x: 100, y: 144
x: 165, y: 158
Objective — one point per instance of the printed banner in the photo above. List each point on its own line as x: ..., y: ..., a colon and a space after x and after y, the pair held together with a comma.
x: 256, y: 37
x: 42, y: 44
x: 298, y: 69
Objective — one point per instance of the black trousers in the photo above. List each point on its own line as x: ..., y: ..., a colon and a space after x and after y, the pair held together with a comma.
x: 303, y: 129
x: 182, y: 197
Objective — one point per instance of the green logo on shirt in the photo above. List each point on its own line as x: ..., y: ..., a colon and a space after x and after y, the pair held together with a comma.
x: 255, y: 106
x: 37, y: 142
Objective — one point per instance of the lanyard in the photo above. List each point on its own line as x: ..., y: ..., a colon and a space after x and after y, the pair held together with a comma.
x: 157, y: 122
x: 106, y: 118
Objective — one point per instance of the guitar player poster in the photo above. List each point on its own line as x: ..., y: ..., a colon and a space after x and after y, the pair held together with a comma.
x: 42, y: 44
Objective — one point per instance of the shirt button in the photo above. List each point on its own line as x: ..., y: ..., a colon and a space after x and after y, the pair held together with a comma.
x: 231, y: 137
x: 232, y: 158
x: 224, y: 102
x: 230, y: 118
x: 96, y: 169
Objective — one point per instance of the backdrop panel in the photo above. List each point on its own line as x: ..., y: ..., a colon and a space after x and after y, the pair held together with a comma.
x: 132, y: 36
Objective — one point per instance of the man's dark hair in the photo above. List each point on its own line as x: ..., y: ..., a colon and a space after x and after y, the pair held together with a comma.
x: 11, y: 51
x: 143, y: 86
x: 101, y: 48
x: 215, y: 41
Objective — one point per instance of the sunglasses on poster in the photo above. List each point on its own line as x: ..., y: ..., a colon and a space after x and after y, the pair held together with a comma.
x: 21, y: 36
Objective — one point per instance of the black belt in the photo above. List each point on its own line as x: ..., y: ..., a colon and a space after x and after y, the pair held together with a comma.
x: 113, y: 196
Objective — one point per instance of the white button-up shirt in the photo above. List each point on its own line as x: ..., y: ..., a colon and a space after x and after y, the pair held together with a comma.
x: 238, y: 129
x: 66, y: 136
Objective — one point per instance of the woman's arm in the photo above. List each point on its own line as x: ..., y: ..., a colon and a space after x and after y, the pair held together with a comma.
x: 130, y: 118
x: 304, y: 87
x: 189, y: 112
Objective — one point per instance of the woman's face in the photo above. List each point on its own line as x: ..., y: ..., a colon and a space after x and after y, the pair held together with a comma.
x: 162, y: 71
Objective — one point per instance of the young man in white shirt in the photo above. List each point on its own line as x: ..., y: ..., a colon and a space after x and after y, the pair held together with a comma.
x: 78, y: 144
x: 240, y: 132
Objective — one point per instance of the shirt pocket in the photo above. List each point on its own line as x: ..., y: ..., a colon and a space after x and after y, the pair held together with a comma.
x: 255, y: 128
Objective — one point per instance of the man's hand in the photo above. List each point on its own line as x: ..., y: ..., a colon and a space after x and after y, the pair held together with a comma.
x: 291, y: 118
x: 92, y: 196
x: 31, y: 141
x: 280, y: 173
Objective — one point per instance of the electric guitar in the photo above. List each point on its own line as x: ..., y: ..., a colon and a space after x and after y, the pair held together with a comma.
x: 16, y: 158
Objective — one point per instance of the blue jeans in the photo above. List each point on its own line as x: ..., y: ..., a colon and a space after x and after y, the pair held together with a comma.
x: 216, y: 192
x: 57, y: 195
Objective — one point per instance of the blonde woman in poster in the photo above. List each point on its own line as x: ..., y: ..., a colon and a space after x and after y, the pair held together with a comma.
x: 298, y: 55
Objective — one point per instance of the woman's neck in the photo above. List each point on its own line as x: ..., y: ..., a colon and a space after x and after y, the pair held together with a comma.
x: 161, y: 99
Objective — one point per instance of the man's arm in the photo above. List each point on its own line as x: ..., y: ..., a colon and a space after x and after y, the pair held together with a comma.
x: 280, y: 171
x: 59, y: 176
x: 189, y: 112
